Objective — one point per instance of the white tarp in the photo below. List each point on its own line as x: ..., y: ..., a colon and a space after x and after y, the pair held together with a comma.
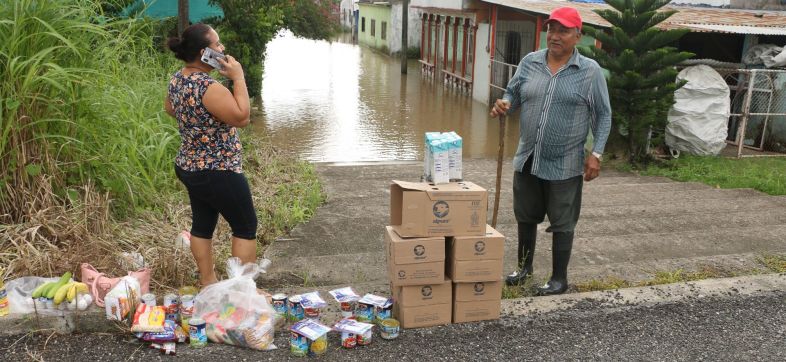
x: 699, y: 118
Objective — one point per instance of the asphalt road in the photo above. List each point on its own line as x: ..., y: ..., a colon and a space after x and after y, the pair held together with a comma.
x: 729, y: 328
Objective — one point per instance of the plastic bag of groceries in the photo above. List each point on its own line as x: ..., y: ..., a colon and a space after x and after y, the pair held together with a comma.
x: 234, y: 312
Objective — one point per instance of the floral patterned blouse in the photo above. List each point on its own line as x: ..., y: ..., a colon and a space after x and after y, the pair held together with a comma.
x: 206, y: 142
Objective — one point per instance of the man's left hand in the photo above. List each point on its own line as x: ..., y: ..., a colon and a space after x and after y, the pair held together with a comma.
x: 591, y: 168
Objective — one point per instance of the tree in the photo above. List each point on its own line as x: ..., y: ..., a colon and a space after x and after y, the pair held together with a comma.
x: 248, y: 25
x: 641, y: 62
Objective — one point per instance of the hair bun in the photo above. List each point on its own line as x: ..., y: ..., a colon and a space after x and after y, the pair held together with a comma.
x: 174, y: 44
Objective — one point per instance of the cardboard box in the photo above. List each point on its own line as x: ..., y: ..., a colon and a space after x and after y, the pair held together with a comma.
x: 485, y: 247
x: 420, y: 295
x: 419, y: 209
x: 474, y: 270
x: 476, y: 311
x: 414, y: 261
x: 423, y: 316
x: 477, y: 291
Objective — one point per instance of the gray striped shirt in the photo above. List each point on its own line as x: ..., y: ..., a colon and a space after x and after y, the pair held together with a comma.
x: 557, y: 113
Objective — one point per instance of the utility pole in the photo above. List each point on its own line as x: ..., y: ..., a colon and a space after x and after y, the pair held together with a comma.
x: 182, y: 16
x: 404, y: 28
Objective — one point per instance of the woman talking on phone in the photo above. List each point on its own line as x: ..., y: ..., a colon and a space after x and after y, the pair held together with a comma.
x: 209, y: 161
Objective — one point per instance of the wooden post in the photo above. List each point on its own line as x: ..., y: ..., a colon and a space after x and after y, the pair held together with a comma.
x: 423, y: 36
x: 455, y: 44
x: 404, y: 26
x: 538, y: 30
x: 428, y: 54
x: 182, y: 16
x: 447, y: 37
x: 464, y: 48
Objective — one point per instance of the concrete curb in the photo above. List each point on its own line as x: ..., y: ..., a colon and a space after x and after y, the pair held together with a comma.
x: 94, y: 319
x: 649, y: 296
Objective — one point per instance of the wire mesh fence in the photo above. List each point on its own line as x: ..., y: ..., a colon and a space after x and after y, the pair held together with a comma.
x: 758, y: 111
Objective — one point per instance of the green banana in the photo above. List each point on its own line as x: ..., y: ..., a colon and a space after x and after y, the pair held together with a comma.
x: 40, y: 289
x: 61, y: 292
x: 50, y: 293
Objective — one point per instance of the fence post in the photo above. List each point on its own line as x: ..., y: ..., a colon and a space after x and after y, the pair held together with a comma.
x: 745, y: 113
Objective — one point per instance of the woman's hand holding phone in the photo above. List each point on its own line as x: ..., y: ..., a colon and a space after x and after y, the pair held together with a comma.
x: 231, y: 68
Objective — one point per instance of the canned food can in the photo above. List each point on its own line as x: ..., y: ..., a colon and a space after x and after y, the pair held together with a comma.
x: 172, y: 307
x: 149, y: 299
x: 186, y: 309
x: 298, y: 344
x: 364, y: 339
x: 196, y: 332
x: 280, y: 303
x: 318, y: 347
x: 295, y: 309
x: 381, y: 314
x: 389, y: 328
x: 348, y: 340
x: 364, y: 312
x: 346, y: 309
x: 311, y: 313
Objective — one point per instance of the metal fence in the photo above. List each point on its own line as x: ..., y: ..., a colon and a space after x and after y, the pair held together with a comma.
x: 757, y: 124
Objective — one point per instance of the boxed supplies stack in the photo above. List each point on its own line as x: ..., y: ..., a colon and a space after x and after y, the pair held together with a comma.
x: 426, y: 220
x: 474, y: 264
x: 416, y: 269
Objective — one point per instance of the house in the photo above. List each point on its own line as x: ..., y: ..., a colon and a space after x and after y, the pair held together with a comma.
x: 379, y: 26
x: 348, y: 12
x: 515, y: 27
x: 198, y: 10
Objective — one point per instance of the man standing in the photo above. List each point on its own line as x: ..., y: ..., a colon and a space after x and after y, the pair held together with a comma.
x: 562, y: 95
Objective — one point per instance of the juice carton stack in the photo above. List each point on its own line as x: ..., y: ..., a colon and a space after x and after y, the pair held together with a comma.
x: 444, y: 263
x: 442, y: 161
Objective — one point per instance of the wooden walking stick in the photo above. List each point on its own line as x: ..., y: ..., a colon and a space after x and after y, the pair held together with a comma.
x: 500, y: 154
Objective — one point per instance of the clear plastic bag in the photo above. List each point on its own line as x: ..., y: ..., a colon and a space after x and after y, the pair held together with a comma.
x: 234, y: 312
x: 20, y: 293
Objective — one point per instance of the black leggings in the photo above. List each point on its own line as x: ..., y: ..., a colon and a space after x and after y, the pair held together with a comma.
x: 214, y: 192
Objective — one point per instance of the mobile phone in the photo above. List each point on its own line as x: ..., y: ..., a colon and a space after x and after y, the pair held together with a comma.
x: 211, y: 57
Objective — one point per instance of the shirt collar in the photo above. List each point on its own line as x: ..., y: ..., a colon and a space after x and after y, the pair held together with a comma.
x: 574, y: 59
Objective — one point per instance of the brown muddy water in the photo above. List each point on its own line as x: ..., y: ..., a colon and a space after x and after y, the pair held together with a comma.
x: 341, y: 102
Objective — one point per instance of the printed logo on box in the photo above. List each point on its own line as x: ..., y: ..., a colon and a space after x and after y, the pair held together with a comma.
x: 426, y: 291
x: 479, y: 287
x: 474, y: 219
x: 402, y: 274
x: 480, y: 247
x: 441, y: 209
x: 419, y: 251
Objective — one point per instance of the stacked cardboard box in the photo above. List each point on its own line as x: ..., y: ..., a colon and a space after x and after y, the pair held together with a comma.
x: 474, y: 265
x: 439, y: 230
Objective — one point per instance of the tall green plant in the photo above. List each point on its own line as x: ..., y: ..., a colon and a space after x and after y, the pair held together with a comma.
x: 641, y: 61
x: 81, y: 101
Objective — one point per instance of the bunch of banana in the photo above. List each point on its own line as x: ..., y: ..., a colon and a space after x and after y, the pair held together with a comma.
x: 69, y: 291
x: 48, y: 290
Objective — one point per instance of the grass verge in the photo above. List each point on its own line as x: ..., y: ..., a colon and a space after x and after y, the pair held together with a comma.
x: 766, y: 174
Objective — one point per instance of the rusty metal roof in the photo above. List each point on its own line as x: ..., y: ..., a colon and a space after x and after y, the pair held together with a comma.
x: 697, y: 19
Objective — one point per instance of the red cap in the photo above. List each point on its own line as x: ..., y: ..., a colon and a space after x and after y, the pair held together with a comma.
x: 567, y: 16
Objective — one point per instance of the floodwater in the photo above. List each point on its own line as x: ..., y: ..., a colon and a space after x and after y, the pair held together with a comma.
x: 341, y: 102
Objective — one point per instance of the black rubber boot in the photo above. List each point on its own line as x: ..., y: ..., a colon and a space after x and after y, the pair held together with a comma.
x: 527, y: 236
x: 562, y: 244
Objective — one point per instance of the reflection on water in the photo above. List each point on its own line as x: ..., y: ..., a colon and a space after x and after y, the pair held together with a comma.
x: 339, y: 102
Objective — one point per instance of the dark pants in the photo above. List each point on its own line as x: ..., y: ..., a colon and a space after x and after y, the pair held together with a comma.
x: 533, y: 199
x: 215, y: 192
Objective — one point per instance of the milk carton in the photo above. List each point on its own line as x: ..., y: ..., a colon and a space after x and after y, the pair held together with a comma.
x: 439, y: 167
x: 454, y: 155
x: 427, y: 156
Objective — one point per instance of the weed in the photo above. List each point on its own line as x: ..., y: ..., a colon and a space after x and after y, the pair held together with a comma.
x: 775, y: 263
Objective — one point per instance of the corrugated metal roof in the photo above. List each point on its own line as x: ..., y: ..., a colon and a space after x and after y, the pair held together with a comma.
x: 700, y: 19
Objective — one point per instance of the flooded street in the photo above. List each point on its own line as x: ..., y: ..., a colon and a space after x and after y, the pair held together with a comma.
x: 340, y: 102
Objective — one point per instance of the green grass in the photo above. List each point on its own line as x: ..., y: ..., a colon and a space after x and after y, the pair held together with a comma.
x: 775, y: 263
x: 766, y: 174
